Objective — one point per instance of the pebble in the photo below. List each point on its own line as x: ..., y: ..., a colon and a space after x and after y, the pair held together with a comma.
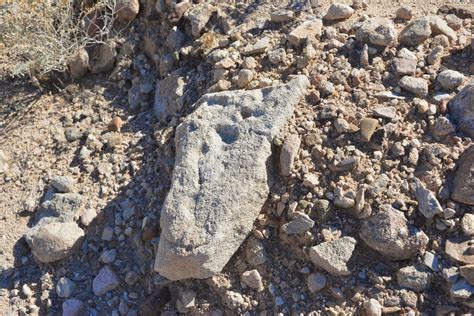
x: 451, y: 274
x: 27, y: 291
x: 106, y: 280
x: 107, y: 233
x: 131, y: 277
x: 316, y: 282
x: 65, y: 287
x: 288, y: 153
x: 338, y: 11
x: 417, y: 86
x: 450, y: 79
x: 372, y: 307
x: 115, y: 124
x: 308, y: 30
x: 252, y: 279
x: 300, y: 225
x: 127, y: 9
x: 108, y: 256
x: 333, y: 256
x: 244, y: 78
x: 404, y: 13
x: 463, y: 184
x: 460, y: 249
x: 428, y: 205
x: 414, y: 278
x: 367, y: 128
x: 467, y: 224
x: 88, y: 216
x: 185, y: 301
x: 73, y: 307
x: 431, y: 261
x: 282, y: 16
x: 388, y: 112
x: 233, y: 300
x: 63, y: 184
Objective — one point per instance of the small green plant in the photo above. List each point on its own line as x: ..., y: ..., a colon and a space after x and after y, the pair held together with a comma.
x: 39, y: 36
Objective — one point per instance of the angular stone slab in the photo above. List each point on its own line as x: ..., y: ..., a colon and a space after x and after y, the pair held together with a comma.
x: 220, y: 179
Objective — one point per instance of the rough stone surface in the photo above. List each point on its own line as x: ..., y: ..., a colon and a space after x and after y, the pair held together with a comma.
x: 78, y: 63
x: 301, y: 224
x: 199, y: 16
x: 460, y: 249
x: 105, y: 59
x: 307, y: 30
x: 127, y: 9
x: 367, y: 128
x: 414, y: 278
x: 51, y: 240
x: 388, y: 233
x: 372, y: 307
x: 63, y: 184
x: 463, y: 184
x: 467, y: 224
x: 288, y: 153
x: 450, y: 79
x: 220, y: 180
x: 428, y: 205
x: 338, y: 11
x: 415, y: 32
x: 253, y: 279
x: 467, y: 272
x: 417, y: 86
x: 333, y: 256
x: 66, y: 206
x: 461, y: 109
x: 106, y: 280
x: 461, y: 289
x: 169, y: 95
x: 65, y: 287
x: 439, y: 26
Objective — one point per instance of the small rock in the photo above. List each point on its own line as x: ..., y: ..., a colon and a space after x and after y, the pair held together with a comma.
x: 388, y: 112
x: 333, y: 256
x: 63, y: 184
x: 115, y: 124
x: 372, y: 307
x: 404, y: 65
x: 259, y: 47
x: 105, y: 60
x: 467, y: 224
x: 439, y: 26
x: 131, y: 277
x: 27, y: 291
x: 316, y: 282
x: 308, y: 30
x: 51, y: 240
x: 417, y: 86
x: 450, y: 79
x: 436, y: 55
x: 66, y: 206
x: 186, y: 300
x: 443, y: 127
x: 252, y: 279
x: 404, y: 13
x: 244, y: 78
x: 107, y: 233
x: 460, y: 250
x: 78, y: 63
x: 233, y: 300
x: 74, y: 307
x: 277, y: 56
x: 288, y: 153
x: 104, y: 168
x: 311, y: 180
x: 282, y: 16
x: 364, y: 56
x: 416, y: 32
x: 463, y: 184
x: 108, y: 256
x: 338, y: 11
x: 468, y: 273
x: 461, y: 289
x: 88, y: 216
x: 383, y: 35
x: 106, y: 280
x: 428, y: 205
x: 414, y: 278
x: 388, y: 233
x: 451, y: 274
x: 65, y: 287
x: 367, y: 128
x: 431, y: 261
x: 198, y: 16
x: 301, y: 224
x: 127, y: 9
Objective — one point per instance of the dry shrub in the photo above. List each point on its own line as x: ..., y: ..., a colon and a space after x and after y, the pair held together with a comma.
x: 38, y: 36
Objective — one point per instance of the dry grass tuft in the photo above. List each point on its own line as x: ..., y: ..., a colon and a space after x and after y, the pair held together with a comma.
x: 37, y: 37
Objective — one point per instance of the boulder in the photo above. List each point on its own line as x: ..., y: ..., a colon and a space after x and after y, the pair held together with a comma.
x: 461, y: 109
x: 388, y: 233
x: 220, y: 178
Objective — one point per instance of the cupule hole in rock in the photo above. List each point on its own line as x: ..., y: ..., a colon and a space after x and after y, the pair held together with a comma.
x: 228, y: 133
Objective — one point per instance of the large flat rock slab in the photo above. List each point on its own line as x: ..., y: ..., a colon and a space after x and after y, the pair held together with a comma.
x: 220, y: 178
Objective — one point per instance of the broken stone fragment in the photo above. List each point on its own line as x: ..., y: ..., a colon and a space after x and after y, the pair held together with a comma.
x: 308, y: 30
x: 302, y: 223
x: 428, y: 205
x: 417, y: 86
x: 334, y: 255
x: 460, y: 249
x: 415, y: 278
x: 198, y: 16
x: 463, y: 184
x: 388, y: 233
x: 288, y: 153
x: 367, y: 128
x: 221, y: 179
